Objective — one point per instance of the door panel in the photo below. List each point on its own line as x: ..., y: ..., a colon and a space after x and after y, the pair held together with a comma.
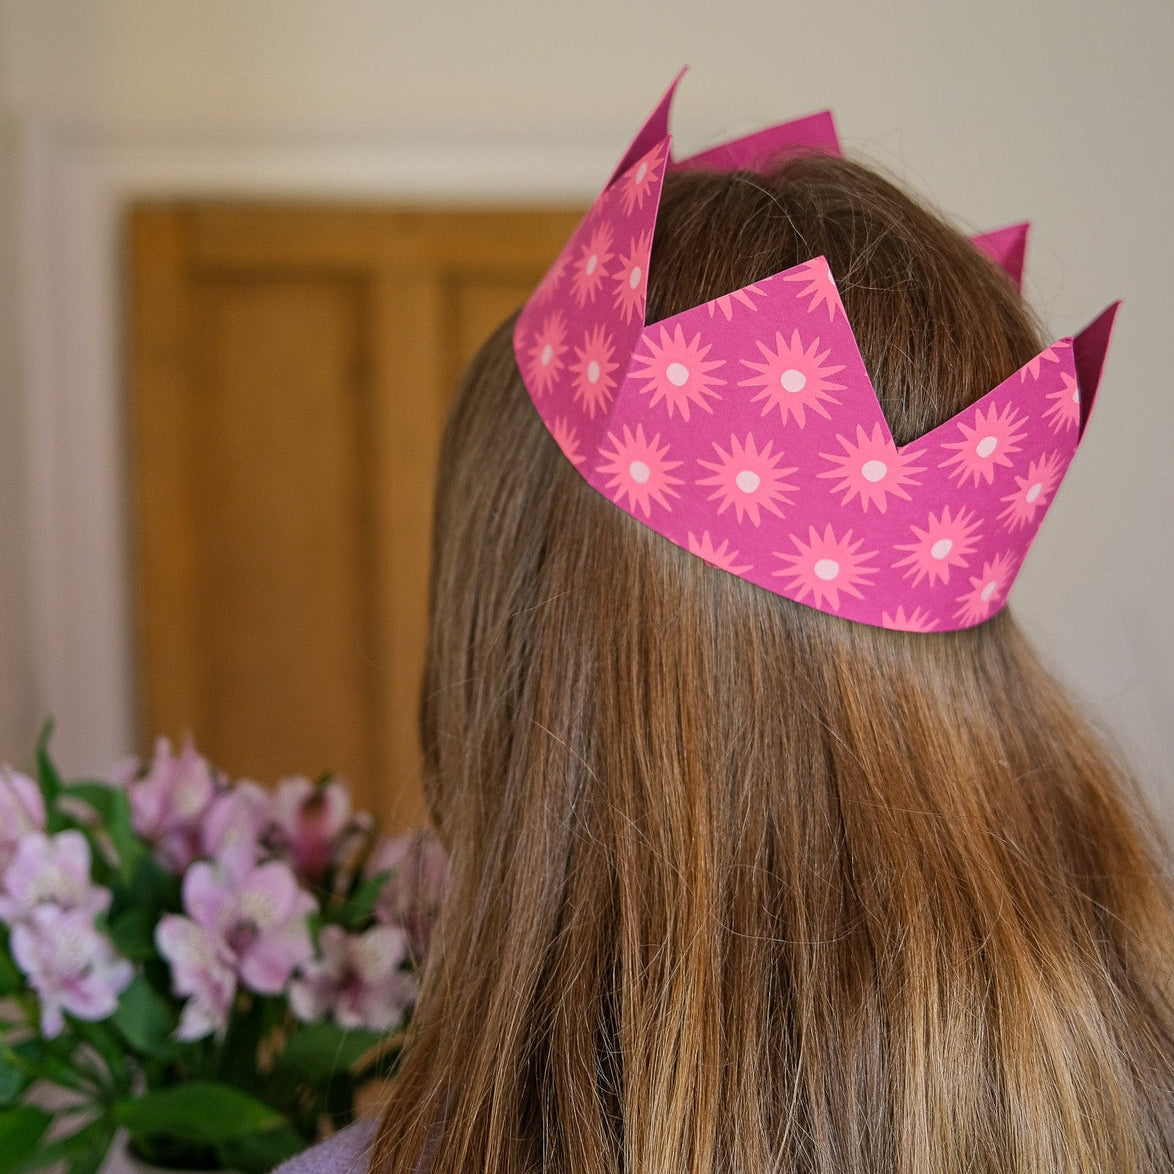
x: 290, y: 368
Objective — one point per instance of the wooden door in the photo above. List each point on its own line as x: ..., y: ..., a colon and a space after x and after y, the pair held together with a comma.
x: 290, y: 368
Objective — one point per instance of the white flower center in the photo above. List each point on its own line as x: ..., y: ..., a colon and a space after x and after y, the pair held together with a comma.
x: 1076, y: 395
x: 748, y: 481
x: 639, y: 472
x: 592, y: 264
x: 1034, y: 492
x: 547, y: 355
x: 677, y: 374
x: 986, y: 446
x: 941, y: 548
x: 826, y: 569
x: 989, y: 590
x: 634, y: 277
x: 641, y: 172
x: 792, y: 380
x: 874, y: 471
x: 593, y: 372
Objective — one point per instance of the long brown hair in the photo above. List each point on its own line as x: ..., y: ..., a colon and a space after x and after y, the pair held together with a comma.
x: 739, y: 886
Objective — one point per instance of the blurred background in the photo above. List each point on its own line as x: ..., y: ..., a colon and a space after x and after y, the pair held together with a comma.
x: 247, y: 245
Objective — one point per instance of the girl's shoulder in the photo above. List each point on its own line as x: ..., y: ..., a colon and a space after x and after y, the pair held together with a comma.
x: 347, y: 1152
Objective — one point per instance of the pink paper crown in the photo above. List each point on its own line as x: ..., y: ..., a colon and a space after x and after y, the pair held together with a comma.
x: 747, y: 430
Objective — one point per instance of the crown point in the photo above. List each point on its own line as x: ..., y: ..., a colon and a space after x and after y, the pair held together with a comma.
x: 1007, y: 247
x: 1088, y: 354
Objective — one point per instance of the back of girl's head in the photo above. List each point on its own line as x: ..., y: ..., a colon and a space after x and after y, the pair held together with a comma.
x: 739, y: 885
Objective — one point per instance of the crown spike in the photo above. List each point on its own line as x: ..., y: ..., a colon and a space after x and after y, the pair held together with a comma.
x: 1007, y: 248
x: 759, y: 151
x: 654, y: 130
x: 1088, y: 353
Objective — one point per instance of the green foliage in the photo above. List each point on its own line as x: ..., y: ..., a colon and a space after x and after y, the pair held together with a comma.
x: 21, y: 1129
x: 198, y: 1111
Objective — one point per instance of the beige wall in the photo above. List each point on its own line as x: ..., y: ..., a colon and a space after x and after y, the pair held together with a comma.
x: 1058, y: 111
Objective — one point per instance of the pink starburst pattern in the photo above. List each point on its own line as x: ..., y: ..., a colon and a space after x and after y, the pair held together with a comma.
x: 567, y: 439
x: 916, y: 621
x: 749, y: 479
x: 991, y: 442
x: 826, y: 565
x: 820, y: 287
x: 987, y: 590
x: 591, y: 267
x: 544, y: 358
x: 639, y: 181
x: 632, y: 278
x: 1032, y: 492
x: 872, y: 468
x: 793, y: 379
x: 550, y: 282
x: 640, y: 470
x: 678, y: 373
x: 944, y: 543
x: 721, y: 556
x: 1049, y: 355
x: 592, y: 370
x: 1064, y: 411
x: 742, y: 296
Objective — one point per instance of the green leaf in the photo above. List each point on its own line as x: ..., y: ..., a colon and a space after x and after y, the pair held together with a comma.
x: 43, y: 1060
x: 11, y: 979
x: 199, y: 1111
x: 82, y: 1152
x: 145, y: 1019
x: 112, y: 808
x: 21, y: 1129
x: 355, y: 912
x: 315, y: 1051
x: 133, y: 934
x: 14, y: 1076
x: 48, y: 779
x: 260, y: 1152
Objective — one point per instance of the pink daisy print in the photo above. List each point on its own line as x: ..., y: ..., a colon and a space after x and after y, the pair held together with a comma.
x: 567, y: 439
x: 1032, y: 491
x: 989, y: 443
x: 1048, y: 355
x: 632, y: 278
x: 678, y: 372
x: 793, y: 379
x: 721, y: 556
x: 872, y: 468
x: 944, y: 543
x: 821, y: 287
x: 639, y: 180
x: 549, y: 283
x: 742, y: 296
x: 825, y: 566
x: 640, y: 471
x: 917, y: 620
x: 545, y: 354
x: 986, y: 590
x: 592, y: 370
x: 590, y: 268
x: 1064, y: 411
x: 748, y: 478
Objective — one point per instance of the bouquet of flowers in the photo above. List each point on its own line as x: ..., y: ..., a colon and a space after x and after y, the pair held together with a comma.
x: 213, y: 967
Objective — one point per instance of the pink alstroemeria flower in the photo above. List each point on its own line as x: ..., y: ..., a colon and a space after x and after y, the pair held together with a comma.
x: 418, y: 878
x: 251, y: 926
x: 22, y: 810
x: 234, y: 826
x: 70, y: 965
x: 169, y: 802
x: 202, y: 969
x: 308, y: 820
x: 50, y: 869
x: 358, y: 979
